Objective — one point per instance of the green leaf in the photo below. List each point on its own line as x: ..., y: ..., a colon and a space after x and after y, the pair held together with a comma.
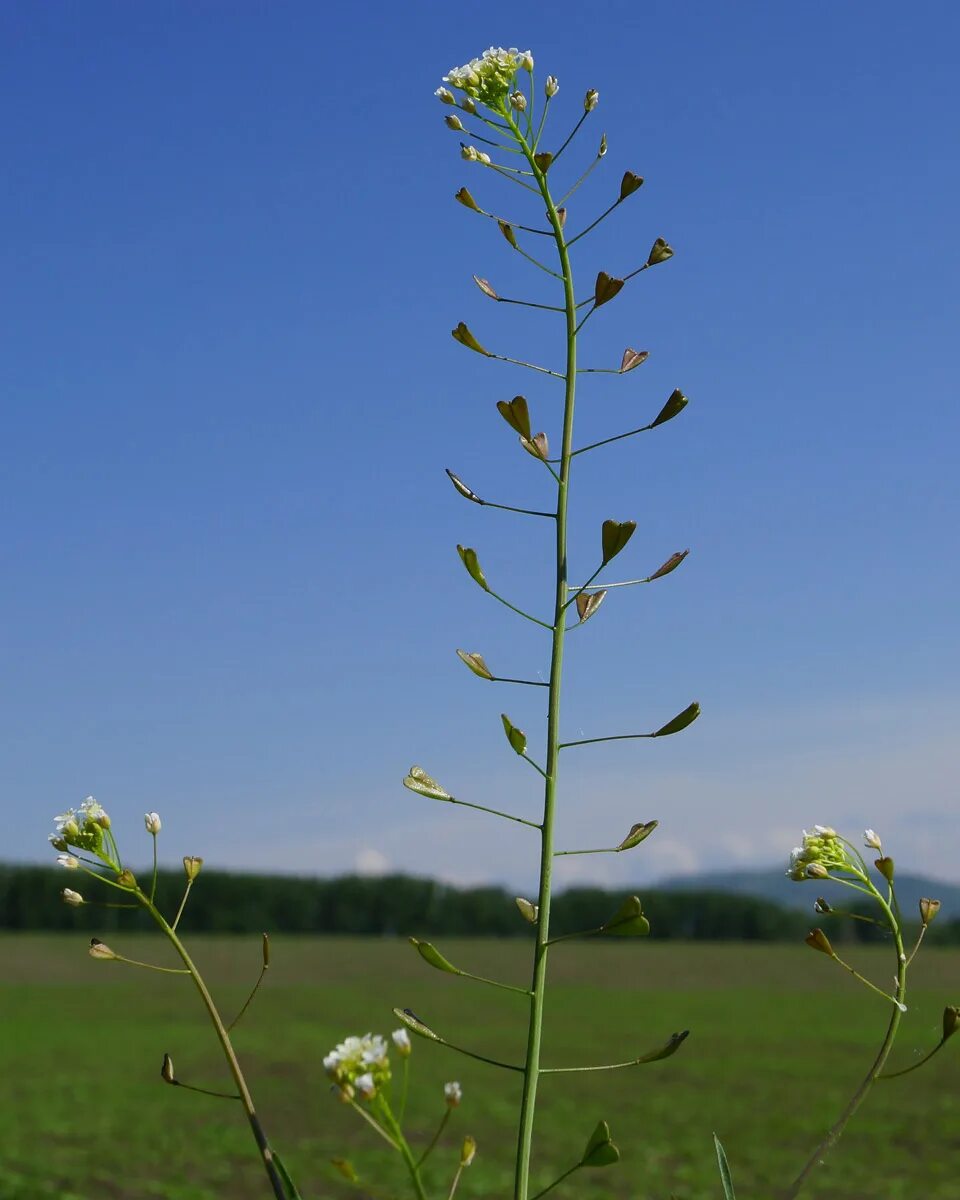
x: 680, y: 721
x: 463, y: 335
x: 475, y: 663
x: 606, y: 287
x: 676, y: 403
x: 516, y: 737
x: 288, y: 1185
x: 528, y: 910
x: 420, y: 782
x: 484, y: 286
x: 516, y: 414
x: 600, y: 1150
x: 629, y: 184
x: 462, y: 487
x: 725, y: 1177
x: 638, y: 833
x: 671, y: 564
x: 659, y: 252
x: 464, y: 198
x: 614, y: 536
x: 469, y: 560
x: 415, y: 1025
x: 587, y: 603
x: 430, y: 954
x: 627, y: 921
x: 632, y: 358
x: 676, y: 1041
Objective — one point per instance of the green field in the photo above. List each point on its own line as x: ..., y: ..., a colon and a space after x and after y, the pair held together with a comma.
x: 779, y: 1038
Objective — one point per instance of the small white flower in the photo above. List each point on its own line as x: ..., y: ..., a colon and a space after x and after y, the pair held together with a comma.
x: 468, y: 105
x: 452, y: 121
x: 444, y: 95
x: 551, y: 87
x: 824, y: 831
x: 100, y: 949
x: 71, y: 897
x: 152, y: 822
x: 526, y: 60
x: 453, y: 1094
x: 483, y: 158
x: 68, y: 861
x: 365, y: 1086
x: 871, y: 840
x: 401, y: 1039
x: 591, y: 100
x: 469, y: 153
x: 331, y: 1062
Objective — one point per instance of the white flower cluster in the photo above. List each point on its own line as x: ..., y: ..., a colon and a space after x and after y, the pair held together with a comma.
x: 82, y: 827
x: 488, y: 78
x: 823, y: 851
x: 359, y: 1064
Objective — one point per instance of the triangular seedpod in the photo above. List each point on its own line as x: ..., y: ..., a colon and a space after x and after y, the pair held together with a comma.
x: 627, y: 921
x: 429, y: 953
x: 638, y: 833
x: 671, y: 564
x: 507, y: 231
x: 632, y: 358
x: 680, y: 721
x: 587, y: 603
x: 469, y: 559
x: 659, y: 252
x: 345, y: 1167
x: 676, y: 1041
x: 816, y: 939
x: 462, y: 487
x: 475, y: 663
x: 417, y: 780
x: 485, y: 287
x: 676, y: 403
x: 464, y: 197
x: 614, y: 536
x: 600, y: 1150
x: 516, y: 737
x: 415, y: 1025
x: 528, y: 910
x: 516, y: 414
x: 885, y: 866
x: 166, y: 1071
x: 606, y: 287
x: 538, y: 446
x: 629, y: 184
x: 543, y: 161
x: 463, y: 335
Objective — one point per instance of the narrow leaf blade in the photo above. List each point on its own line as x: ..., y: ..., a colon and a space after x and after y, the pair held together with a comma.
x: 725, y: 1177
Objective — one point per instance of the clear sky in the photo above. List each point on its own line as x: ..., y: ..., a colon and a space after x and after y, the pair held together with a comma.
x: 231, y: 261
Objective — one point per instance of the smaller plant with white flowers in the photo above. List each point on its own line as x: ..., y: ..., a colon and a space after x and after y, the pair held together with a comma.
x: 361, y: 1075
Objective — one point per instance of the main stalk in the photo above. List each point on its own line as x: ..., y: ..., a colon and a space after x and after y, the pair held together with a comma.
x: 538, y: 986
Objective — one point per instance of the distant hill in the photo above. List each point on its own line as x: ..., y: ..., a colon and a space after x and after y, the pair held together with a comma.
x: 774, y: 885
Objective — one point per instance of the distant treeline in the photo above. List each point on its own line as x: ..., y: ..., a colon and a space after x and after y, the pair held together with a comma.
x: 222, y: 902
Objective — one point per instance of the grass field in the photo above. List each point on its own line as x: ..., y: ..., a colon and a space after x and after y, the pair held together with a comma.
x: 779, y: 1038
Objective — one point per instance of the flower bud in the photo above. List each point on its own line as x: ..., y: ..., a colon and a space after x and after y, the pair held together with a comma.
x: 469, y: 153
x: 885, y: 867
x: 468, y: 1151
x: 68, y: 861
x: 444, y: 96
x: 551, y: 87
x: 192, y: 866
x: 166, y: 1070
x: 366, y: 1088
x: 872, y: 841
x: 100, y: 949
x: 928, y: 909
x: 816, y: 939
x: 483, y: 157
x: 526, y: 60
x: 468, y: 105
x: 452, y: 121
x: 69, y: 896
x: 590, y: 100
x: 518, y: 101
x: 152, y: 822
x: 817, y: 870
x: 951, y: 1021
x: 127, y: 879
x: 401, y: 1039
x: 70, y: 830
x: 58, y: 843
x: 343, y: 1092
x: 453, y: 1094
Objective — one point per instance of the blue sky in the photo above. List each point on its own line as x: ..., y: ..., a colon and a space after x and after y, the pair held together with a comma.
x: 231, y: 261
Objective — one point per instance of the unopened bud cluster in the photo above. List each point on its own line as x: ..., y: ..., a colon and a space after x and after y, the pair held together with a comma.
x: 823, y: 851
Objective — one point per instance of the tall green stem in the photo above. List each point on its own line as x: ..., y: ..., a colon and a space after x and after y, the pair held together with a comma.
x: 833, y: 1134
x: 538, y: 986
x: 246, y: 1099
